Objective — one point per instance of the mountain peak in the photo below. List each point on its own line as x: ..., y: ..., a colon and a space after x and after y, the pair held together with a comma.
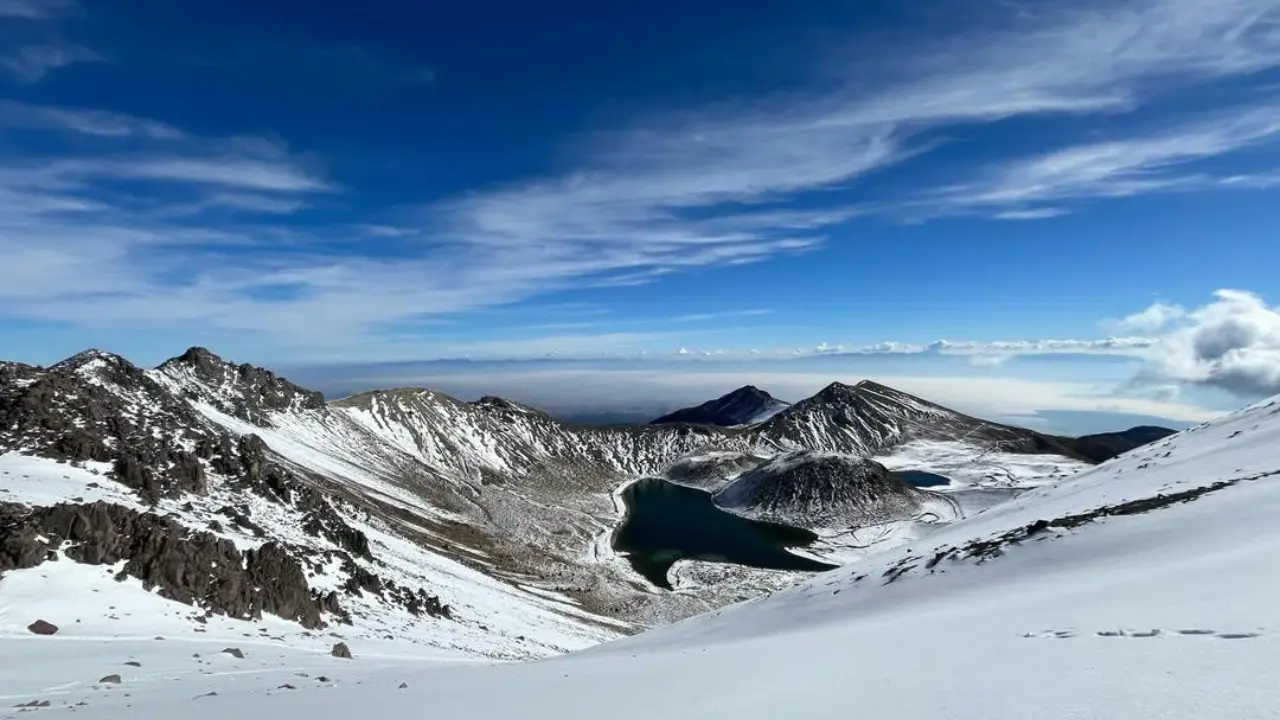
x: 245, y: 391
x: 744, y: 406
x: 85, y: 357
x: 198, y: 357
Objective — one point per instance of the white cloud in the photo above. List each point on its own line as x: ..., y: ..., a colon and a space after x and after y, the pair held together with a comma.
x: 1232, y: 343
x: 1120, y: 168
x: 1156, y: 317
x: 1031, y: 214
x: 388, y: 231
x: 704, y: 317
x: 98, y: 123
x: 30, y: 63
x: 696, y: 180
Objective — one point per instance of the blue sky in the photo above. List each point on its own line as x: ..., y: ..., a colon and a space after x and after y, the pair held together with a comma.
x: 682, y: 184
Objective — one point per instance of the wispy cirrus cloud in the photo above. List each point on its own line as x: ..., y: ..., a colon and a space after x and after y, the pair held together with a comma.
x: 31, y: 63
x: 701, y: 178
x: 96, y: 123
x: 1139, y: 164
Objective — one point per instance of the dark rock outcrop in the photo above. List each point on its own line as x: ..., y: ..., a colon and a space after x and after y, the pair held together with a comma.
x: 192, y: 567
x: 340, y: 650
x: 809, y: 489
x: 245, y: 391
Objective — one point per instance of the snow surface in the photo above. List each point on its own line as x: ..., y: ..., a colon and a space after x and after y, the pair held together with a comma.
x: 1171, y: 614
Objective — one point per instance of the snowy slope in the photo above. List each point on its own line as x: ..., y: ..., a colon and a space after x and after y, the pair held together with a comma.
x: 1143, y: 588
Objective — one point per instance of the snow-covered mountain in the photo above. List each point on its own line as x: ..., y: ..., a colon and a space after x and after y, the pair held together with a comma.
x: 745, y: 406
x: 868, y: 418
x: 1143, y: 587
x: 476, y: 527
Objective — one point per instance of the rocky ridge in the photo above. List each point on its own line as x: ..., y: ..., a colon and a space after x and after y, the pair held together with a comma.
x: 202, y: 533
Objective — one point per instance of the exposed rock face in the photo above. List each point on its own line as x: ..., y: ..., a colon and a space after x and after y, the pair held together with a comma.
x: 97, y: 406
x: 810, y: 489
x: 745, y: 405
x: 244, y: 391
x: 195, y: 568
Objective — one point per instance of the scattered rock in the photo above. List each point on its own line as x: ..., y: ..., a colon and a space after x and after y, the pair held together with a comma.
x: 41, y: 627
x: 236, y: 653
x: 133, y: 663
x: 340, y: 650
x: 34, y: 704
x: 404, y: 686
x: 110, y: 680
x: 286, y: 686
x: 322, y: 678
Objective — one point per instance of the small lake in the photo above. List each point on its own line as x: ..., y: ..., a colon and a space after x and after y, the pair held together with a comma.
x: 667, y: 522
x: 920, y: 478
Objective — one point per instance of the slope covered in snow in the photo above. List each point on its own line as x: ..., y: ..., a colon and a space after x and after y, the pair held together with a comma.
x: 1142, y: 588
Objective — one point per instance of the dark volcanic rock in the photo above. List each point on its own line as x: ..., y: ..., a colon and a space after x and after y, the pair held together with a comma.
x: 110, y: 680
x: 98, y: 406
x: 236, y: 653
x: 41, y: 627
x: 810, y: 489
x: 340, y: 650
x: 191, y: 567
x: 245, y: 391
x: 745, y: 405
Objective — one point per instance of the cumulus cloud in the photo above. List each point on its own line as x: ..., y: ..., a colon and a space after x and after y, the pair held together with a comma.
x: 1156, y: 317
x: 1232, y: 343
